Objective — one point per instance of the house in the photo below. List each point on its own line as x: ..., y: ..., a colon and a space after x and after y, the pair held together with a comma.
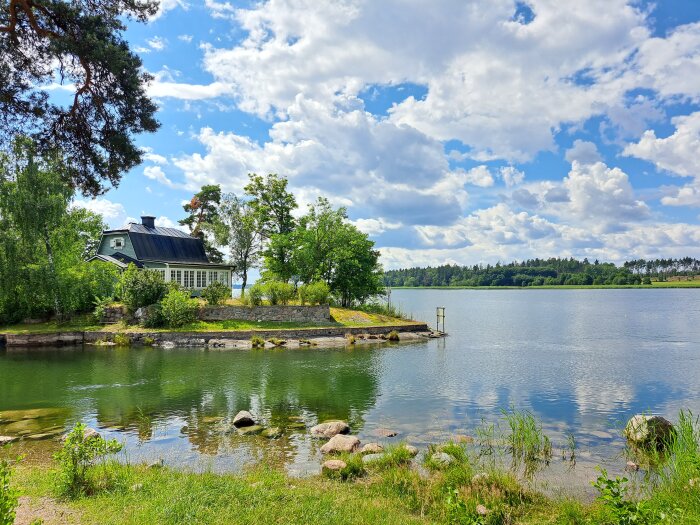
x: 176, y: 255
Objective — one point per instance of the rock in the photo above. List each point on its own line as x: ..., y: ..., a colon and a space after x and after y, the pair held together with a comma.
x: 648, y: 431
x: 211, y: 419
x: 413, y: 451
x: 243, y: 419
x: 252, y: 429
x: 43, y: 435
x: 632, y: 466
x: 159, y: 463
x: 481, y: 510
x: 341, y: 443
x: 272, y: 432
x: 372, y: 448
x: 87, y: 433
x: 602, y: 435
x: 372, y: 458
x: 442, y: 459
x: 296, y: 425
x: 385, y: 433
x: 334, y: 465
x: 6, y: 440
x: 330, y: 429
x: 461, y: 438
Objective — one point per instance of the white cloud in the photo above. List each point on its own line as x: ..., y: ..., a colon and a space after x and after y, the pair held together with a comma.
x: 583, y: 152
x: 185, y: 38
x: 375, y: 226
x: 112, y: 212
x: 168, y: 5
x: 479, y: 176
x: 677, y: 153
x: 157, y: 174
x: 157, y: 43
x: 511, y: 176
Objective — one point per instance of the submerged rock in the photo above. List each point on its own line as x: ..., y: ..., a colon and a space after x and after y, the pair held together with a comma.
x: 329, y: 429
x: 385, y: 433
x: 372, y: 448
x: 648, y: 431
x: 632, y: 466
x: 243, y: 419
x: 461, y: 438
x: 272, y: 432
x: 87, y: 433
x: 252, y: 429
x: 340, y: 443
x: 211, y: 419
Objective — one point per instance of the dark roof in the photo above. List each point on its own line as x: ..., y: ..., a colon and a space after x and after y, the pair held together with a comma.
x: 168, y: 245
x: 126, y: 259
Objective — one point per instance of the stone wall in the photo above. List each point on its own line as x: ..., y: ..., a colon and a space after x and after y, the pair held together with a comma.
x: 295, y: 314
x: 113, y: 314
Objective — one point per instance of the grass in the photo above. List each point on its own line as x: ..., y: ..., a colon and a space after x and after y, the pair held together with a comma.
x: 341, y: 317
x: 390, y: 491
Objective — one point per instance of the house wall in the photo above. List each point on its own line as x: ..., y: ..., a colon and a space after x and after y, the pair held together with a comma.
x: 106, y: 249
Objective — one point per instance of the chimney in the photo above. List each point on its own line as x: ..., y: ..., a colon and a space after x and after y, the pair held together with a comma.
x: 148, y: 221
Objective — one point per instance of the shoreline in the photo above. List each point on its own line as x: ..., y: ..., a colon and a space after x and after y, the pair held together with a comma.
x: 667, y: 285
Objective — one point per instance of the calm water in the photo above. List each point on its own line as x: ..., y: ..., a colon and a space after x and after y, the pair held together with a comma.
x: 583, y: 361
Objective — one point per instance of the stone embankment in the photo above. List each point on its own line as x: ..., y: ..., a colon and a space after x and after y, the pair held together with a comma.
x: 322, y: 337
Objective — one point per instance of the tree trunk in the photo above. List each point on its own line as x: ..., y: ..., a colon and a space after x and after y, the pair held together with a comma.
x: 244, y: 277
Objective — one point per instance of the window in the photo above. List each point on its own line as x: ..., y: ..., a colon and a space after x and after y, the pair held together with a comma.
x: 117, y: 243
x: 201, y: 278
x: 189, y: 279
x: 162, y: 274
x: 213, y: 277
x: 176, y: 275
x: 223, y: 277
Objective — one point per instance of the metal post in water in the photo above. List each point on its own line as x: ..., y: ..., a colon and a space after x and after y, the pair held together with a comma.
x: 440, y: 312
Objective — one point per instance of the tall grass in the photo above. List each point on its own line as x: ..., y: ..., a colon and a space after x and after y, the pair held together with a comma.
x: 527, y: 443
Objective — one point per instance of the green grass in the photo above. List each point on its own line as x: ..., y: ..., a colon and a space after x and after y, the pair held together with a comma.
x: 391, y: 491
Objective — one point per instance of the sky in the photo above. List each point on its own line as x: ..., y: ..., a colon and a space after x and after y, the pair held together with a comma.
x: 453, y: 131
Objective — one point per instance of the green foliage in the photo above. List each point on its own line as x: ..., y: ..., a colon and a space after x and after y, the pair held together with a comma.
x: 382, y: 308
x: 278, y: 292
x: 95, y: 130
x: 314, y: 293
x: 256, y: 294
x: 350, y: 339
x: 178, y: 308
x: 43, y: 243
x: 527, y: 443
x: 203, y: 213
x: 611, y: 492
x: 393, y: 336
x: 79, y: 453
x: 121, y: 340
x: 138, y: 288
x: 101, y: 304
x: 152, y: 316
x: 216, y: 293
x: 9, y: 495
x: 257, y: 341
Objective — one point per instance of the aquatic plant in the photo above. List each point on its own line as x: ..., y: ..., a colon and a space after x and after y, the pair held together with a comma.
x: 350, y: 339
x: 257, y: 341
x: 121, y: 340
x: 527, y: 443
x: 393, y: 336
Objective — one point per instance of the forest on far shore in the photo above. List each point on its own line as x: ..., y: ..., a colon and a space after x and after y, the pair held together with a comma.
x: 546, y: 272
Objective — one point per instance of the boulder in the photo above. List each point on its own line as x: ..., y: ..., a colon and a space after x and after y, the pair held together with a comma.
x: 243, y: 419
x: 648, y: 431
x: 5, y: 440
x: 632, y: 466
x: 413, y: 451
x: 330, y: 429
x: 372, y: 448
x: 442, y: 459
x: 87, y: 434
x: 481, y: 510
x: 368, y: 459
x: 340, y: 443
x: 334, y: 465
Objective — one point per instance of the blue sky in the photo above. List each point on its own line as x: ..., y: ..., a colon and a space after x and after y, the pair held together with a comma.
x: 453, y: 131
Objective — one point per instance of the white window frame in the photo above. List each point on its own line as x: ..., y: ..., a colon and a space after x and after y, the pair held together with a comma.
x: 201, y: 278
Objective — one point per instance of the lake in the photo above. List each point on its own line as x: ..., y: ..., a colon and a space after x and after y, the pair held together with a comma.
x: 582, y: 361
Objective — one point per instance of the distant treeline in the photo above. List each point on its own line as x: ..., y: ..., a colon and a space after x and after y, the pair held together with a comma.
x: 539, y: 272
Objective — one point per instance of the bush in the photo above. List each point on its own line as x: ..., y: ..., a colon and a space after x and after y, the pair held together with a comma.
x: 255, y: 295
x: 257, y: 342
x: 278, y: 292
x: 314, y: 293
x: 139, y: 288
x: 178, y: 309
x: 9, y: 496
x: 101, y: 304
x: 216, y: 293
x: 79, y: 453
x: 152, y: 316
x: 393, y: 336
x: 121, y: 340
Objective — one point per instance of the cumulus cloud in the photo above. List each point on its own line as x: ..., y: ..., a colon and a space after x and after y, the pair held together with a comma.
x: 583, y: 152
x: 511, y: 176
x: 157, y: 43
x: 157, y: 174
x: 168, y: 5
x: 113, y: 213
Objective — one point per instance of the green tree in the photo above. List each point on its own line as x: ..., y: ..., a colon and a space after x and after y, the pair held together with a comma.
x: 272, y: 204
x: 75, y: 43
x: 202, y: 214
x: 236, y: 226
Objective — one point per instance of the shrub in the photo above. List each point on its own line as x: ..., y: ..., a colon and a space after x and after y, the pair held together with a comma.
x: 257, y: 341
x: 152, y: 316
x: 79, y: 453
x: 216, y: 293
x: 139, y: 288
x: 255, y: 295
x: 101, y: 304
x: 178, y: 308
x: 314, y: 293
x: 350, y: 339
x: 9, y: 496
x: 393, y: 336
x: 121, y: 340
x: 279, y: 292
